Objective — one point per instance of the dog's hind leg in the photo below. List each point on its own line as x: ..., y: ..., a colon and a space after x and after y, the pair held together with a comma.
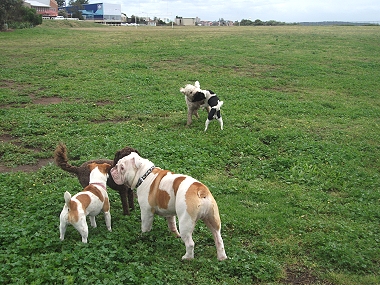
x: 62, y: 230
x: 172, y: 225
x: 206, y: 124
x: 107, y: 214
x: 220, y: 252
x: 107, y: 218
x: 212, y: 221
x: 93, y: 222
x: 82, y: 228
x: 186, y: 228
x: 220, y: 122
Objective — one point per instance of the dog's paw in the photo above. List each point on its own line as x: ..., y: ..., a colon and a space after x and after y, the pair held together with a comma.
x: 186, y: 257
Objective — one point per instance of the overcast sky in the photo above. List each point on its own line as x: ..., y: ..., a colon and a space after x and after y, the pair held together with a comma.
x: 279, y: 10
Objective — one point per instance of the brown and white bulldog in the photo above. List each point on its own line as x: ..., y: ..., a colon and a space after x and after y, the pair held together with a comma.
x: 167, y: 194
x: 90, y: 201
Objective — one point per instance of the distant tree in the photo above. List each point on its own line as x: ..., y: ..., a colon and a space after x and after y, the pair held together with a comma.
x: 31, y: 16
x: 78, y: 2
x: 61, y: 3
x: 14, y: 14
x: 76, y: 6
x: 161, y: 22
x: 258, y: 22
x: 246, y: 22
x: 8, y: 10
x: 63, y: 13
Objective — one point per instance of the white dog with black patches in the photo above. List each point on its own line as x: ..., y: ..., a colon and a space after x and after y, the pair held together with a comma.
x: 215, y: 104
x: 196, y: 97
x: 90, y: 201
x: 169, y: 195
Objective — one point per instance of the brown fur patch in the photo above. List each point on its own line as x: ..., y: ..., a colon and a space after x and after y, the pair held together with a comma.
x: 94, y: 190
x: 73, y: 212
x: 106, y: 205
x: 103, y: 168
x: 158, y: 197
x: 85, y: 200
x: 162, y: 199
x: 177, y: 182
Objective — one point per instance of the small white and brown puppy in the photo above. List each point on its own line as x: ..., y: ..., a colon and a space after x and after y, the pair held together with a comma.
x: 194, y: 98
x: 90, y: 201
x: 169, y: 195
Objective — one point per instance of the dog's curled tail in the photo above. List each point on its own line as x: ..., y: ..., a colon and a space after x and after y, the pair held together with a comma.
x: 60, y: 158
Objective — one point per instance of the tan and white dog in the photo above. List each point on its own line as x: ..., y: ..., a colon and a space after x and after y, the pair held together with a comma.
x: 90, y: 201
x: 169, y: 195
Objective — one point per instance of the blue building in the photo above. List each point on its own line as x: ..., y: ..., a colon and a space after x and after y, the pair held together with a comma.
x: 98, y: 12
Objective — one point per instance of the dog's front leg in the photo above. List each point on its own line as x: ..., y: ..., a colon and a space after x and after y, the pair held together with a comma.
x: 146, y: 220
x: 123, y: 197
x: 131, y: 198
x: 189, y: 116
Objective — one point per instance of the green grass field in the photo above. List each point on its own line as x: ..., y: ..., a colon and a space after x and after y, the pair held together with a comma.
x: 295, y: 172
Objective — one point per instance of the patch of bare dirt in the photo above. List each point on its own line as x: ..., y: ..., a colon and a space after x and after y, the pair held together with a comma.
x: 27, y: 168
x: 6, y: 138
x: 47, y: 100
x: 9, y: 84
x: 296, y: 275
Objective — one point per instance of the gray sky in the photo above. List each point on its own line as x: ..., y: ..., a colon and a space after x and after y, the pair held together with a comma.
x: 279, y: 10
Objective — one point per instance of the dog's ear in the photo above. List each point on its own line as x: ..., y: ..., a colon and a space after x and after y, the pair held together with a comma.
x: 105, y: 167
x: 91, y: 166
x: 136, y: 160
x: 182, y: 90
x: 117, y: 157
x: 197, y: 84
x: 199, y: 96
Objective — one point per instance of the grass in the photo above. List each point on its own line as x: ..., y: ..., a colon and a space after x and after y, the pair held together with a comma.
x: 295, y: 172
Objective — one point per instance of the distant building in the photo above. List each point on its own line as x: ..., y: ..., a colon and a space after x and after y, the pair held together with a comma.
x: 98, y: 12
x: 180, y: 21
x: 46, y: 8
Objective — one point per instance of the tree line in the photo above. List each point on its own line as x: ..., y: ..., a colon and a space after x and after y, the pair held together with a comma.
x: 14, y: 15
x: 258, y: 22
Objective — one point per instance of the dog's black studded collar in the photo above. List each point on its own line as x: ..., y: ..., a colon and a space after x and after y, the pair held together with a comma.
x: 142, y: 178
